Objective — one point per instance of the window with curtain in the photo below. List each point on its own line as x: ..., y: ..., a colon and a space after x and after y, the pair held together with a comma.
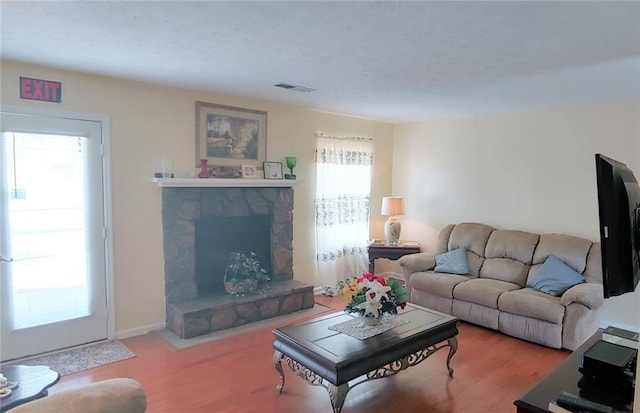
x: 343, y: 194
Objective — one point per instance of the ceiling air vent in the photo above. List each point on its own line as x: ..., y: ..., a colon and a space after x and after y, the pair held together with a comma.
x: 295, y: 87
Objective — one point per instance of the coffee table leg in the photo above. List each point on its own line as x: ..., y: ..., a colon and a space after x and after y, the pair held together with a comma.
x: 453, y: 347
x: 337, y: 395
x: 277, y: 357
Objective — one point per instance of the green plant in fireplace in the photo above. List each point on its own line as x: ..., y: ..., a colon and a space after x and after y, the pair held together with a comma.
x: 244, y: 274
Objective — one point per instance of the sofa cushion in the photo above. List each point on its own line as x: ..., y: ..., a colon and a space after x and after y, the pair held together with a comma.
x: 571, y: 250
x: 483, y: 291
x: 470, y: 236
x: 452, y: 262
x: 508, y: 256
x: 554, y: 277
x: 442, y: 244
x: 530, y: 302
x: 505, y: 269
x: 473, y: 237
x: 516, y: 245
x: 436, y: 283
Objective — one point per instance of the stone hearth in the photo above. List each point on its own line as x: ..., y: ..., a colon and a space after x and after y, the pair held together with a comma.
x: 199, y: 316
x: 190, y: 313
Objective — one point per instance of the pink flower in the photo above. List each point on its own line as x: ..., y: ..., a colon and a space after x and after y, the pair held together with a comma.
x: 367, y: 276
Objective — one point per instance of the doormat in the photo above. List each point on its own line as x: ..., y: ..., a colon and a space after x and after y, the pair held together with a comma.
x: 80, y: 358
x: 181, y: 343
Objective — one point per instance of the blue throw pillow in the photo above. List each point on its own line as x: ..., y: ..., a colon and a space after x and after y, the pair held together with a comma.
x: 452, y: 262
x: 554, y: 277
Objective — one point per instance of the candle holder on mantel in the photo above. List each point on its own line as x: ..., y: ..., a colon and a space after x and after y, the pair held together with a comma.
x: 291, y: 163
x: 204, y: 168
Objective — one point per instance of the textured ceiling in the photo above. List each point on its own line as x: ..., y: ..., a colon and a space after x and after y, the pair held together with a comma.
x: 392, y: 61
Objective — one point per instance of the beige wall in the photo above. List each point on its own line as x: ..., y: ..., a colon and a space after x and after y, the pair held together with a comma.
x: 149, y: 122
x: 533, y: 172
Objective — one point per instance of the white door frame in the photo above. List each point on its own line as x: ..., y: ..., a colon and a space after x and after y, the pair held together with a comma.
x: 105, y: 120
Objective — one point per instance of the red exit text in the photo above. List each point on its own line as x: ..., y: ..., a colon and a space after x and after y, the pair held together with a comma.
x: 38, y: 89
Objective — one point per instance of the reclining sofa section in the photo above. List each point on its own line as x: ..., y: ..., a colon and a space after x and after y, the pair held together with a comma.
x: 495, y: 294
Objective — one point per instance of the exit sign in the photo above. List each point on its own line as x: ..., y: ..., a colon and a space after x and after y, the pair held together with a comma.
x: 38, y: 89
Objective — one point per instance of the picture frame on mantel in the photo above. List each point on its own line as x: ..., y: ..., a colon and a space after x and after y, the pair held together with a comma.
x: 249, y: 171
x: 228, y: 135
x: 272, y: 170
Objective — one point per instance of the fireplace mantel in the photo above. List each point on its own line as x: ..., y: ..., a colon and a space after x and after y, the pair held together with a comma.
x: 224, y: 183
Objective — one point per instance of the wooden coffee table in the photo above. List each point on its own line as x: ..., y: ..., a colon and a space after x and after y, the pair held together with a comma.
x: 335, y: 360
x: 33, y: 382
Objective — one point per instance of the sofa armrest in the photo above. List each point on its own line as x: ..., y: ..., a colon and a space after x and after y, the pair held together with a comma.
x: 417, y: 262
x: 121, y: 395
x: 589, y: 294
x: 420, y: 261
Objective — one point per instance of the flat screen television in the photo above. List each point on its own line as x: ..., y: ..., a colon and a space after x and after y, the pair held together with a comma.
x: 619, y: 211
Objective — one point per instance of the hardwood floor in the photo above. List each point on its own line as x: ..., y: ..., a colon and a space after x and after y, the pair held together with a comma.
x: 237, y: 375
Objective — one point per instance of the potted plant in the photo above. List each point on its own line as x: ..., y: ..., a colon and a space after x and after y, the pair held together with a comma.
x: 244, y: 274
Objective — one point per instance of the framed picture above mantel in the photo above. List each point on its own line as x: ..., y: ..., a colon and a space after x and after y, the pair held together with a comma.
x: 227, y: 135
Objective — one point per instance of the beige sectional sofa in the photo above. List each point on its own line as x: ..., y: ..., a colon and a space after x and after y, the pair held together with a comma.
x: 495, y: 294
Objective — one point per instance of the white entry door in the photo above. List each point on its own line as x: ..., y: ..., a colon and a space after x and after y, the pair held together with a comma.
x: 52, y: 235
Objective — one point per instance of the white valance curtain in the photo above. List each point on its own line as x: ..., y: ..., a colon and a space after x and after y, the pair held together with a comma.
x: 343, y: 193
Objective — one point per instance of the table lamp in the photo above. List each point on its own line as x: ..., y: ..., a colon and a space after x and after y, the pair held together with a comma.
x: 392, y: 206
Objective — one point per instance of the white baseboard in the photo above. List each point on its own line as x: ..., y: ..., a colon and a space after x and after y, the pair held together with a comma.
x: 317, y: 290
x: 138, y: 331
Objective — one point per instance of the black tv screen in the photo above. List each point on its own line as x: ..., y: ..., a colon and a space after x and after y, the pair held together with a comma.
x: 619, y: 212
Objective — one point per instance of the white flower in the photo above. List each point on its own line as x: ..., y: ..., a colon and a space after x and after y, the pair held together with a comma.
x: 371, y: 307
x: 375, y: 290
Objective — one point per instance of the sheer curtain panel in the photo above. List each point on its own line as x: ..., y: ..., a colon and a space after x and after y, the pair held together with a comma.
x: 343, y: 193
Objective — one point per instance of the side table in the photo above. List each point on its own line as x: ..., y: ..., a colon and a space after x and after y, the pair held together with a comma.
x: 566, y: 378
x: 33, y: 382
x: 392, y: 252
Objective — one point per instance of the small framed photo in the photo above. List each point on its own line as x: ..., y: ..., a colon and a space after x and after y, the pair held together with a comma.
x: 272, y: 170
x: 248, y: 171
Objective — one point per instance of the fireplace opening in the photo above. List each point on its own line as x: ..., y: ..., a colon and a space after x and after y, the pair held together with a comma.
x: 217, y: 237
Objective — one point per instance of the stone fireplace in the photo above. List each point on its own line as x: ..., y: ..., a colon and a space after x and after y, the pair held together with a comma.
x: 201, y: 226
x: 217, y: 237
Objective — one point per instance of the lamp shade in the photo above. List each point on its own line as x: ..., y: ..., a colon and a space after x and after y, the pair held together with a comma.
x: 392, y: 205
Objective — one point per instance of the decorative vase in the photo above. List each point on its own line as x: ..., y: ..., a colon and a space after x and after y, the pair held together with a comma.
x: 204, y: 170
x: 370, y: 319
x: 292, y: 161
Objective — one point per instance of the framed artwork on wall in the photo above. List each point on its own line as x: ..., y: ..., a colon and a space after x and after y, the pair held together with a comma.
x: 227, y: 135
x: 272, y: 170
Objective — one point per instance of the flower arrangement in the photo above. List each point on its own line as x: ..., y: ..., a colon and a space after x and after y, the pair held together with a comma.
x: 372, y: 295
